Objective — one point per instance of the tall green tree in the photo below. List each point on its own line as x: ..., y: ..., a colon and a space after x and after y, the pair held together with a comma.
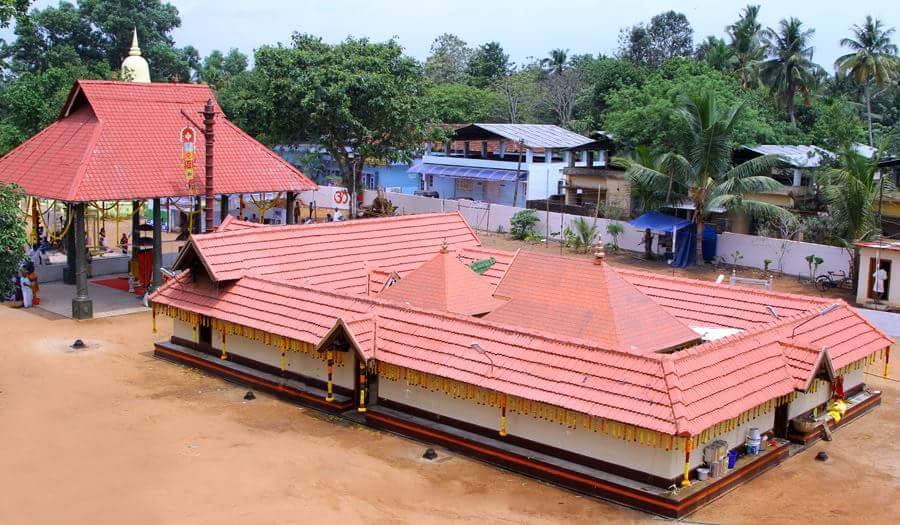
x: 462, y: 104
x: 217, y: 68
x: 13, y: 239
x: 361, y: 100
x: 95, y: 31
x: 719, y: 55
x: 745, y: 35
x: 646, y: 114
x: 448, y: 59
x: 667, y: 36
x: 873, y: 59
x: 487, y: 65
x: 10, y: 9
x: 788, y: 69
x: 701, y: 170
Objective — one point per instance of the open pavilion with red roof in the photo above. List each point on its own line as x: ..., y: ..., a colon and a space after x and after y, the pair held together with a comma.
x: 116, y: 141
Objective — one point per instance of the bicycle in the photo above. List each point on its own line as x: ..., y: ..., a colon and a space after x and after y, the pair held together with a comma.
x: 834, y: 280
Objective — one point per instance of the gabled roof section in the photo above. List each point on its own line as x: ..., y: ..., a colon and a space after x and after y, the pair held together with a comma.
x: 121, y: 140
x: 334, y: 255
x: 579, y: 298
x: 532, y: 135
x: 359, y: 331
x: 805, y: 363
x: 445, y: 284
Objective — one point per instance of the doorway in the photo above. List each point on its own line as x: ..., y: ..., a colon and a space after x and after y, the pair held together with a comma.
x: 885, y: 264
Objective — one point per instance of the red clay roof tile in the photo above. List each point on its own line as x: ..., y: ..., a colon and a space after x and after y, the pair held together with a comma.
x: 121, y: 140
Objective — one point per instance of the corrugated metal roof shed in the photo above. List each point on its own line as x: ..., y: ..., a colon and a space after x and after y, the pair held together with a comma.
x: 532, y: 135
x: 800, y: 156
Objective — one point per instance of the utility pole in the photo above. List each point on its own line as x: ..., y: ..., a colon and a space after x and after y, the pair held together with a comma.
x: 209, y: 115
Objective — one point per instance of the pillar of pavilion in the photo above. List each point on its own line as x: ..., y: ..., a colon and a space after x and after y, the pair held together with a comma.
x: 123, y: 141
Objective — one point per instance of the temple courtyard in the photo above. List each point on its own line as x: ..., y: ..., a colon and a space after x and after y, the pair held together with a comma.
x: 111, y: 434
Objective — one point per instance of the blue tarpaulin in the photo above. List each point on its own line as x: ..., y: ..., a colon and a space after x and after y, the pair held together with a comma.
x: 659, y: 222
x: 683, y: 231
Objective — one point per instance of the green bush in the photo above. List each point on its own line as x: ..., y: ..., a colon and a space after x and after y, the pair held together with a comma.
x: 521, y: 226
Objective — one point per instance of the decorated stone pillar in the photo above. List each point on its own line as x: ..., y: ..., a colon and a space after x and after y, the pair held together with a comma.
x: 223, y: 208
x: 69, y: 270
x: 156, y: 281
x: 289, y: 204
x: 135, y: 229
x: 82, y: 306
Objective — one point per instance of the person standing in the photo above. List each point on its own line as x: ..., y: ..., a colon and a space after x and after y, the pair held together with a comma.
x: 27, y: 294
x: 31, y: 277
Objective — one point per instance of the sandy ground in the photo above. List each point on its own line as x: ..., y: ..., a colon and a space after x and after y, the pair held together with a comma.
x: 112, y: 435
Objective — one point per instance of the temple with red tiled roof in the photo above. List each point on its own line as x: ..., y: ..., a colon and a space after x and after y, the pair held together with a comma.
x: 614, y: 382
x: 135, y: 141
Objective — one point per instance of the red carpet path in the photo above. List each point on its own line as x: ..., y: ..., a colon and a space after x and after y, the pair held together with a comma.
x: 118, y: 283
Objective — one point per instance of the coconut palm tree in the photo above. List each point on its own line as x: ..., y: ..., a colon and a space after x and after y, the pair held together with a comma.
x: 701, y: 170
x: 852, y: 191
x: 746, y: 41
x: 719, y: 55
x: 788, y: 69
x: 649, y: 192
x: 874, y: 59
x: 556, y: 60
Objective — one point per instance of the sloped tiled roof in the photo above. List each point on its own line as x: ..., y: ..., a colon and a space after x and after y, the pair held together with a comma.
x: 336, y: 255
x: 121, y: 140
x: 578, y: 298
x: 559, y: 371
x: 579, y: 367
x: 706, y: 304
x: 445, y: 284
x: 684, y: 392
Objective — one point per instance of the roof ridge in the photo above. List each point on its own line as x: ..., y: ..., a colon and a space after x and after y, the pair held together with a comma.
x: 616, y: 314
x: 88, y: 151
x: 456, y: 317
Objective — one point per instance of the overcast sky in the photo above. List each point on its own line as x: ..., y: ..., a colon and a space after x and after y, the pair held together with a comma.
x: 523, y: 27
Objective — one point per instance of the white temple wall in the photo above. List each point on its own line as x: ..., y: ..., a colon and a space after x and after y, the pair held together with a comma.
x: 804, y: 402
x: 297, y: 362
x: 652, y: 460
x: 180, y: 328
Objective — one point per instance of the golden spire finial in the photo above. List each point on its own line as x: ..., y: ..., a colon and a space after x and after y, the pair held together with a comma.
x: 135, y: 50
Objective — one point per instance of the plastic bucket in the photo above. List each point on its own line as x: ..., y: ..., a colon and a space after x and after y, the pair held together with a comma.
x: 732, y: 458
x: 702, y: 474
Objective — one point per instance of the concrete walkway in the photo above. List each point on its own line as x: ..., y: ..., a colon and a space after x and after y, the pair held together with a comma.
x: 56, y: 297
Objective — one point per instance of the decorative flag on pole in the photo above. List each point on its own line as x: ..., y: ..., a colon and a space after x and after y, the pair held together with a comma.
x: 187, y: 154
